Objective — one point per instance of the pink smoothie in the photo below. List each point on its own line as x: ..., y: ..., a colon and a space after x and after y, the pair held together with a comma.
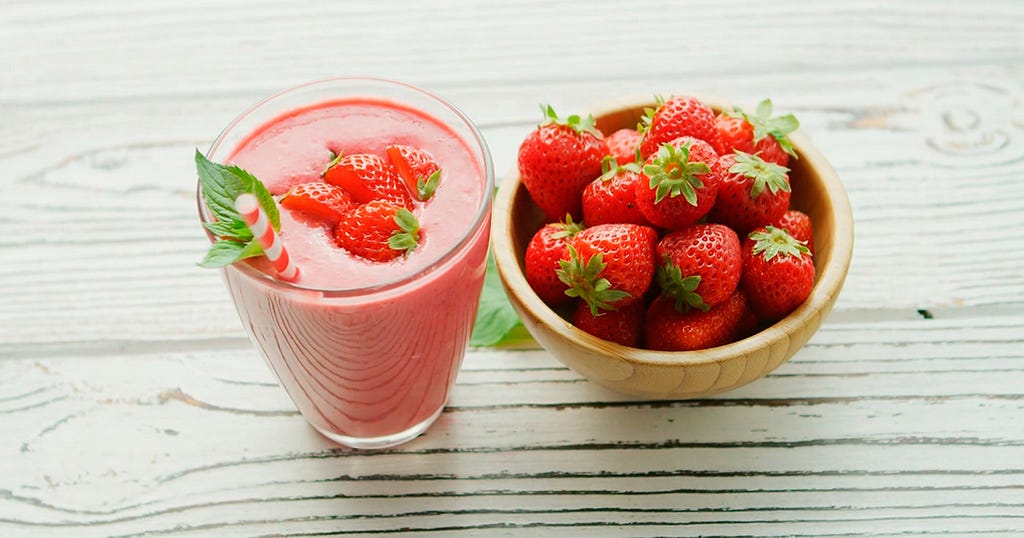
x: 366, y: 349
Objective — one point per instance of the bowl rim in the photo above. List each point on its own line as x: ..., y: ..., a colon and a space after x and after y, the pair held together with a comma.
x: 827, y: 287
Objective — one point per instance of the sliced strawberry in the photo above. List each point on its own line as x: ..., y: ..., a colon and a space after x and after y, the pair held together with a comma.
x: 321, y: 201
x: 368, y: 177
x: 378, y: 231
x: 417, y: 168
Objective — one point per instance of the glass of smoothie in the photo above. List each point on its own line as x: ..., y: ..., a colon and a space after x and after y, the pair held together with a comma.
x: 367, y: 351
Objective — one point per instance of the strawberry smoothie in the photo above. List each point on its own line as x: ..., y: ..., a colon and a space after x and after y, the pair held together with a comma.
x: 368, y: 351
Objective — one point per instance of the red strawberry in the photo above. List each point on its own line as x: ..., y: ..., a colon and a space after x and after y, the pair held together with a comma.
x: 368, y: 177
x: 378, y: 231
x: 417, y: 168
x: 681, y: 181
x: 547, y: 246
x: 677, y: 117
x: 321, y: 201
x: 611, y: 198
x: 623, y: 145
x: 700, y: 266
x: 759, y: 133
x: 623, y: 326
x: 752, y: 193
x: 778, y: 272
x: 798, y: 224
x: 667, y: 329
x: 610, y: 265
x: 557, y: 160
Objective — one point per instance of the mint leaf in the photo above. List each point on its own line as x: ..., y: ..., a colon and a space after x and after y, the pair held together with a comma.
x: 226, y: 252
x: 220, y: 185
x: 496, y: 321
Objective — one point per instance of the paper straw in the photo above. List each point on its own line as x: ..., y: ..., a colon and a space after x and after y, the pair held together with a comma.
x: 256, y: 219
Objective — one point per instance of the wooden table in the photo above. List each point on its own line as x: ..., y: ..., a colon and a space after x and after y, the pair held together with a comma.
x: 132, y: 403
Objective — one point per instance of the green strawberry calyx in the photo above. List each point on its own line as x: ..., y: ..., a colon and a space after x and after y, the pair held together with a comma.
x: 764, y: 173
x: 648, y: 118
x: 675, y: 286
x: 407, y: 237
x: 584, y: 281
x: 575, y: 122
x: 610, y: 168
x: 220, y: 185
x: 671, y: 173
x: 427, y: 186
x: 567, y: 228
x: 772, y: 241
x: 765, y: 125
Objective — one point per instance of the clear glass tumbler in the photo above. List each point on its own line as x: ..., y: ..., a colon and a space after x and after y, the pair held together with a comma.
x: 370, y: 365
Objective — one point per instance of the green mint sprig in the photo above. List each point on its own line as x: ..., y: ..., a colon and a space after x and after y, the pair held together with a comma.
x: 220, y: 185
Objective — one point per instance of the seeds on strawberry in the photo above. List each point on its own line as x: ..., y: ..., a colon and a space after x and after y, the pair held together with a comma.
x: 378, y: 231
x: 610, y: 265
x: 624, y: 145
x: 611, y: 198
x: 700, y: 266
x: 778, y: 272
x: 623, y: 326
x: 667, y: 329
x: 368, y: 177
x: 682, y: 180
x: 675, y: 118
x: 752, y: 192
x: 319, y: 201
x: 557, y: 160
x: 547, y: 247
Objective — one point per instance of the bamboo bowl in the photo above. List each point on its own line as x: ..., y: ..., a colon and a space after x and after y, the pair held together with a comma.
x: 817, y: 191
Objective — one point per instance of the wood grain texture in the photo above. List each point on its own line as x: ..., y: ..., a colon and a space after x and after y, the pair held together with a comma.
x: 131, y: 403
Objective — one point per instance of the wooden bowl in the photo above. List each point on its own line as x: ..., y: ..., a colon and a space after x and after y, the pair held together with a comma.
x: 817, y: 191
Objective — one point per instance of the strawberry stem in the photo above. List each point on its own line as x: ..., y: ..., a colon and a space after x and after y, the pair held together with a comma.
x: 682, y: 289
x: 771, y: 242
x: 584, y: 281
x: 764, y: 173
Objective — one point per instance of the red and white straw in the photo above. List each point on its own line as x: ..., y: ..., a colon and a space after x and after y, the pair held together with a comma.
x: 256, y: 219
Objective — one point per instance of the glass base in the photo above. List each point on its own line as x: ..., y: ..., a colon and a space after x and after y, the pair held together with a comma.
x: 384, y: 441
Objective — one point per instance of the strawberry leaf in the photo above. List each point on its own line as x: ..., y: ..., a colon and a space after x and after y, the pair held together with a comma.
x: 407, y: 238
x: 584, y: 281
x: 671, y: 173
x: 426, y: 187
x: 496, y: 321
x: 765, y: 125
x: 765, y: 174
x: 682, y: 289
x: 574, y: 122
x: 771, y: 242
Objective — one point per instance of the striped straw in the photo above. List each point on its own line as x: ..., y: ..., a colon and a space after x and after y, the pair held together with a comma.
x: 256, y: 219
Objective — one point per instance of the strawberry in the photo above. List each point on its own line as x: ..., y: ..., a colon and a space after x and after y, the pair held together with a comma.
x: 611, y: 198
x: 623, y: 326
x: 752, y: 193
x: 778, y: 272
x: 557, y: 160
x: 547, y: 246
x: 798, y: 224
x: 368, y: 177
x: 623, y: 145
x: 667, y: 329
x: 318, y: 200
x: 378, y: 231
x: 701, y: 266
x: 681, y: 183
x: 675, y: 118
x: 610, y: 265
x: 417, y: 168
x: 758, y: 133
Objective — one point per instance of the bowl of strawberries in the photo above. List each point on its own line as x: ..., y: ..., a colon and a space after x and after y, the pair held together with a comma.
x: 671, y: 248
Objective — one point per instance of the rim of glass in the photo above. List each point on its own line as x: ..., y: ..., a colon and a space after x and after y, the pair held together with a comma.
x: 471, y: 231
